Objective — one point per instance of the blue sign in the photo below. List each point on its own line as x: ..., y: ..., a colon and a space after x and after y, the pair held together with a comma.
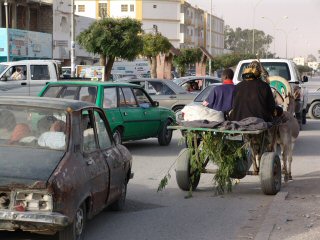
x: 25, y: 44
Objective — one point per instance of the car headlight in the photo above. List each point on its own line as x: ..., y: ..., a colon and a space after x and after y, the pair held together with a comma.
x: 33, y: 201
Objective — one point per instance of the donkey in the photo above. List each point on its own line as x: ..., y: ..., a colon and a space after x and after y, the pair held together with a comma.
x: 287, y: 133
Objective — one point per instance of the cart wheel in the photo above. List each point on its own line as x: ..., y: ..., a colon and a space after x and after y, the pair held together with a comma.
x: 183, y: 175
x: 270, y: 173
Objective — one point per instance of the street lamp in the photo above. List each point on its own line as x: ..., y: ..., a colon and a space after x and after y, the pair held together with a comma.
x: 286, y: 36
x: 72, y: 53
x: 254, y: 13
x: 274, y: 24
x: 210, y: 38
x: 7, y: 29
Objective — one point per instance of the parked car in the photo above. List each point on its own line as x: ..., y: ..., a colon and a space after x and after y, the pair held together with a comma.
x: 198, y: 100
x: 166, y: 92
x: 196, y: 84
x: 59, y: 166
x: 131, y: 112
x: 313, y: 106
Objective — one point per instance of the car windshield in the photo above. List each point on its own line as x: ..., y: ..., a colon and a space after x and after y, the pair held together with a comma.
x: 34, y: 127
x: 2, y: 67
x: 274, y: 69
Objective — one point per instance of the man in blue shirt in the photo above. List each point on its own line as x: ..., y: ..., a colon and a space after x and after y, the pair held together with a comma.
x: 220, y: 98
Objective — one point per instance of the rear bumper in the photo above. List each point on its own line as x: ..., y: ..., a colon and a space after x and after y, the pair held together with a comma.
x: 32, y: 221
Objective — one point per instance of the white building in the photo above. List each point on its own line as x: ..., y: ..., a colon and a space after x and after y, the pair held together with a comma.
x: 299, y: 61
x: 184, y: 25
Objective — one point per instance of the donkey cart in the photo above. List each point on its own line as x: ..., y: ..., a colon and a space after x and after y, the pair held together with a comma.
x: 206, y: 145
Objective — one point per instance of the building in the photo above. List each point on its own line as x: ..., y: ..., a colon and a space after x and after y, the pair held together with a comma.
x: 186, y: 26
x: 299, y: 61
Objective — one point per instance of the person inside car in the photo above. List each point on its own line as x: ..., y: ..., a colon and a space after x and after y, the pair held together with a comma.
x: 92, y: 95
x: 18, y: 75
x: 55, y: 138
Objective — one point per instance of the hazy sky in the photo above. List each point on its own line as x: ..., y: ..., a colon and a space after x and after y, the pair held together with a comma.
x: 302, y: 23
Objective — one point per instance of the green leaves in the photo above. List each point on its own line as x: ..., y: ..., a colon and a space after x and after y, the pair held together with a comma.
x: 153, y: 44
x: 186, y: 57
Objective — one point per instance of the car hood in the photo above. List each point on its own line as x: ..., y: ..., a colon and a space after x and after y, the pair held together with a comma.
x: 27, y: 166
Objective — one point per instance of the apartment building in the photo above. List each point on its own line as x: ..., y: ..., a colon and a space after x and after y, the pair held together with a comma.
x: 186, y: 26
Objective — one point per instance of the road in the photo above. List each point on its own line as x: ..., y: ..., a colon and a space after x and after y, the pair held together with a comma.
x: 169, y: 215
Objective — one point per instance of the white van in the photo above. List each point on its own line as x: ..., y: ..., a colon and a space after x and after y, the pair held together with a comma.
x: 27, y: 77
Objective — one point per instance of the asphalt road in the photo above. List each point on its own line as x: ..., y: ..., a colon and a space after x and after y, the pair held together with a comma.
x: 169, y: 215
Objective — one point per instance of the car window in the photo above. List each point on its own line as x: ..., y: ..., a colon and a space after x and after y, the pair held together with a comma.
x: 142, y: 98
x: 88, y: 94
x: 127, y: 98
x: 52, y: 91
x: 34, y: 127
x: 159, y: 88
x: 70, y: 92
x: 102, y: 132
x: 110, y: 97
x: 89, y: 143
x: 16, y: 73
x: 204, y: 94
x: 39, y: 72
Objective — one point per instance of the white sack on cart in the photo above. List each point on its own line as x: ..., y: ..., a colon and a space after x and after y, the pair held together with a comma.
x: 200, y: 112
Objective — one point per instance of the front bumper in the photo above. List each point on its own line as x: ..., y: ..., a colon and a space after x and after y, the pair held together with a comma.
x: 29, y: 221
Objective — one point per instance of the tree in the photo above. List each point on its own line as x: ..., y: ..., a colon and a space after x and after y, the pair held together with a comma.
x: 153, y: 44
x: 240, y: 41
x: 111, y: 38
x: 186, y: 57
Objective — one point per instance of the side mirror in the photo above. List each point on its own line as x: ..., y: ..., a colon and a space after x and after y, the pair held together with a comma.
x: 305, y: 79
x: 155, y: 104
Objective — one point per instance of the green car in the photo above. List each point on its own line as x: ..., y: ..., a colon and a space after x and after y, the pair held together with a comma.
x: 131, y: 112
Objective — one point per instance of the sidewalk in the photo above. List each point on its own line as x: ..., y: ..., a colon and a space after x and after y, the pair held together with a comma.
x: 294, y: 213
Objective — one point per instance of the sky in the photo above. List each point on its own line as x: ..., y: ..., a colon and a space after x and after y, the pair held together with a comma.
x: 299, y: 20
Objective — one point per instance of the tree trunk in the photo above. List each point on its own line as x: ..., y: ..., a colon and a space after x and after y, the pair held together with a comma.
x: 109, y: 68
x: 154, y: 67
x: 102, y: 62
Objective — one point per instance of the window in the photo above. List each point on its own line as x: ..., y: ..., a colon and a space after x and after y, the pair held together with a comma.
x: 16, y: 73
x: 142, y: 98
x: 39, y: 72
x: 103, y: 10
x: 81, y: 8
x: 127, y: 98
x: 89, y: 142
x: 131, y: 8
x: 88, y: 94
x: 124, y: 8
x: 103, y: 135
x: 110, y: 98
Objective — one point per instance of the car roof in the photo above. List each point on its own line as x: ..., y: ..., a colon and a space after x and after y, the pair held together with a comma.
x: 45, y: 102
x: 93, y: 83
x: 267, y: 60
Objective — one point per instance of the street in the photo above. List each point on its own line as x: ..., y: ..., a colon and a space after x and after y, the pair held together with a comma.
x: 239, y: 215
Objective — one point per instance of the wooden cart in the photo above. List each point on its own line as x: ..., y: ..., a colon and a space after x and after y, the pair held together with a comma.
x: 267, y: 165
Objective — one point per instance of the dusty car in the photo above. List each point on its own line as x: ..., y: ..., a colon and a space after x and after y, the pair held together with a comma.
x: 313, y: 106
x: 131, y: 112
x: 166, y: 92
x: 196, y: 84
x: 59, y: 166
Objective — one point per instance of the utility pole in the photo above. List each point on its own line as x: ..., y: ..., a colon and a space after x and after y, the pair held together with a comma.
x: 210, y: 38
x: 7, y: 28
x: 72, y: 53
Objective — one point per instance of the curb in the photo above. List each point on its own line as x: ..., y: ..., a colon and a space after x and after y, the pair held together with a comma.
x: 272, y: 217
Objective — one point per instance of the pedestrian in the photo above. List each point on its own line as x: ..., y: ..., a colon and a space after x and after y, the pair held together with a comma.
x: 220, y: 98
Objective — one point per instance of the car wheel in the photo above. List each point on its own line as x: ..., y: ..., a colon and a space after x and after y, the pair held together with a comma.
x: 118, y: 205
x: 117, y: 136
x: 165, y: 135
x: 177, y: 108
x: 314, y: 110
x: 75, y: 231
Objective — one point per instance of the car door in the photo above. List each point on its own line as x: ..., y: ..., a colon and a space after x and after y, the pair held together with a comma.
x: 97, y: 168
x: 110, y: 105
x: 39, y: 77
x: 111, y: 154
x: 132, y: 114
x: 151, y: 114
x: 12, y: 86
